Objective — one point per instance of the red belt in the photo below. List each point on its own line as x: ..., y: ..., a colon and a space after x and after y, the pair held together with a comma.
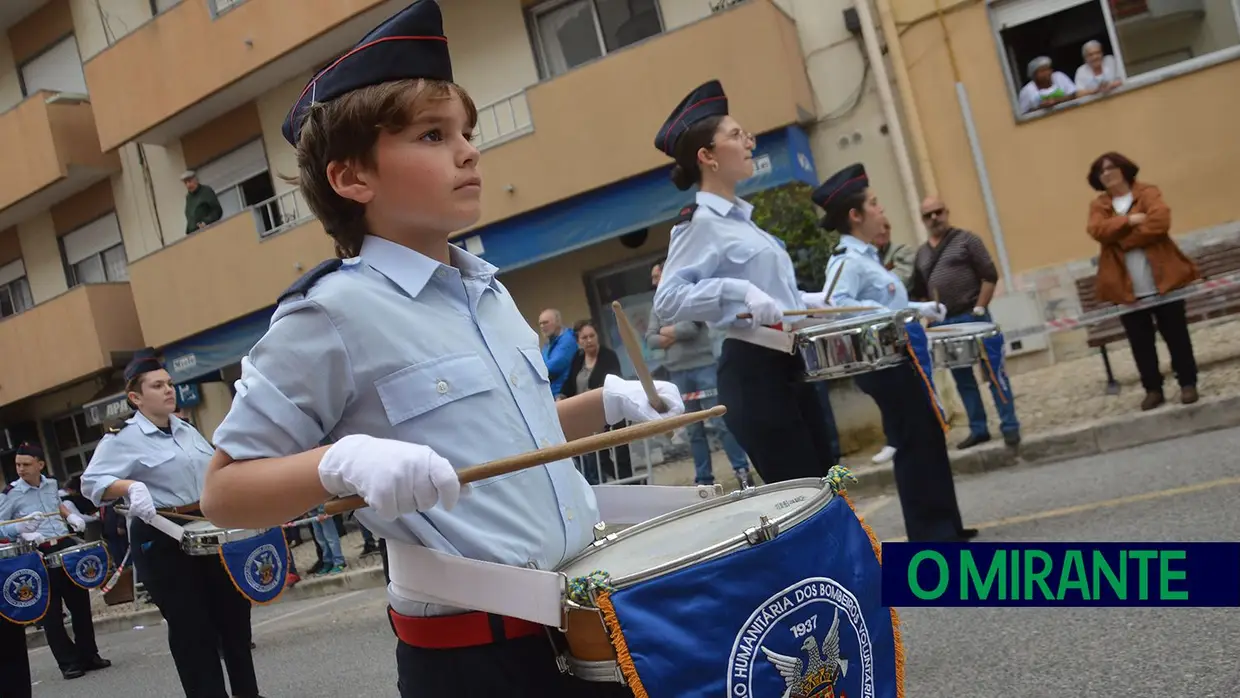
x: 465, y: 630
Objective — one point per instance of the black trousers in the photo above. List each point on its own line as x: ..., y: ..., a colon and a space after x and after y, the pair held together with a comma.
x: 775, y: 417
x: 14, y: 661
x: 81, y: 648
x: 207, y: 617
x: 922, y: 470
x: 520, y: 668
x: 1171, y: 321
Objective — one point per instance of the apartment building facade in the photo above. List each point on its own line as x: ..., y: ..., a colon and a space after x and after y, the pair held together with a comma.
x: 126, y: 94
x: 1173, y: 113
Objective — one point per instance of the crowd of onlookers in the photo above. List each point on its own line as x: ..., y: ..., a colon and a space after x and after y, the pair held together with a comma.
x: 1048, y: 87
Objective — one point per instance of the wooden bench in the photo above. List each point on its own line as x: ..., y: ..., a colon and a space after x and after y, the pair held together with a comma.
x: 1215, y: 260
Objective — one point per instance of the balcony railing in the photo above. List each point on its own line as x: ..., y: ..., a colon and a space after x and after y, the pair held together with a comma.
x: 280, y: 212
x: 503, y: 120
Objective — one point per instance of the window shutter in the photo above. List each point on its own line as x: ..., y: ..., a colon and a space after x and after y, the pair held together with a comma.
x: 92, y: 238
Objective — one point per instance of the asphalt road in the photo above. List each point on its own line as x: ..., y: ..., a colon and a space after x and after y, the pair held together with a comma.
x: 1180, y: 490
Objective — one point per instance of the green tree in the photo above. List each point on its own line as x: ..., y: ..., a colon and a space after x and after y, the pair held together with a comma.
x: 788, y: 213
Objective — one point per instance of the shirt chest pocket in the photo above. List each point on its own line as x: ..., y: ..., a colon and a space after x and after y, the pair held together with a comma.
x: 741, y: 253
x: 155, y: 460
x: 414, y: 391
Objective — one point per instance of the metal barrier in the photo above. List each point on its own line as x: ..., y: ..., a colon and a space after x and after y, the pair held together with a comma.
x: 281, y: 212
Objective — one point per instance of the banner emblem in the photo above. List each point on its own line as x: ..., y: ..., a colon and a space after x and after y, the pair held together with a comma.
x: 88, y: 566
x: 258, y: 566
x: 24, y: 598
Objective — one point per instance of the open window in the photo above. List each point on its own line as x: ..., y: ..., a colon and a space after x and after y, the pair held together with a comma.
x: 14, y: 289
x: 95, y: 253
x: 242, y: 179
x: 1139, y: 36
x: 568, y: 33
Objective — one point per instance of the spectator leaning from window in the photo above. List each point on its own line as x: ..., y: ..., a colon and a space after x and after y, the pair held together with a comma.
x: 202, y: 206
x: 1046, y: 87
x: 1099, y: 73
x: 1139, y: 260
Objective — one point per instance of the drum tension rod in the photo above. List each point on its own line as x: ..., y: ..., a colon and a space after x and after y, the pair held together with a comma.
x: 766, y: 530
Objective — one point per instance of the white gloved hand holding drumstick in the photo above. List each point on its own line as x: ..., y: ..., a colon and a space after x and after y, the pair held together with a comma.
x: 141, y: 505
x: 394, y: 477
x: 763, y: 308
x: 930, y: 310
x: 627, y: 400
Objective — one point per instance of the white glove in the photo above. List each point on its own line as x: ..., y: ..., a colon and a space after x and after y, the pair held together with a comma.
x: 76, y: 522
x: 32, y: 537
x: 934, y: 312
x: 394, y: 477
x: 815, y: 300
x: 627, y: 400
x: 31, y: 524
x: 141, y: 505
x: 762, y: 307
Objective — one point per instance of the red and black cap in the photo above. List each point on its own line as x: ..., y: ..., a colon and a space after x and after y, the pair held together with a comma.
x: 705, y: 101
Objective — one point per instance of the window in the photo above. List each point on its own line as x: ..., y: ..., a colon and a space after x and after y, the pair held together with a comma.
x: 158, y: 6
x: 1137, y: 36
x: 219, y: 7
x: 241, y: 179
x: 58, y: 69
x: 95, y: 253
x: 567, y: 34
x: 76, y: 441
x: 14, y: 289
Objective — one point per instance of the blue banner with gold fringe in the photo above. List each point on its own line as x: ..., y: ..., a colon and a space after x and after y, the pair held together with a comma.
x: 24, y: 596
x: 258, y: 566
x: 798, y: 615
x: 88, y: 566
x: 923, y: 362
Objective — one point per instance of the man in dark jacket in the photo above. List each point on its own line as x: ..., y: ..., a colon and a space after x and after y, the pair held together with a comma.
x: 202, y: 206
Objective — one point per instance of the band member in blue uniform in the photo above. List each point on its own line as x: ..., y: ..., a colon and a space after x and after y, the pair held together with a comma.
x: 410, y: 359
x: 922, y: 469
x: 721, y: 264
x: 31, y: 494
x: 158, y: 462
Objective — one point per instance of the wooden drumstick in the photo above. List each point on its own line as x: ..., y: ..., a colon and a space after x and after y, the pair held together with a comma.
x: 836, y: 280
x: 30, y: 517
x: 632, y: 347
x: 551, y: 454
x: 168, y: 514
x: 818, y: 311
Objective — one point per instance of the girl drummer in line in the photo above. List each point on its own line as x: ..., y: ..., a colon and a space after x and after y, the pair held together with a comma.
x: 922, y: 470
x: 159, y: 461
x: 721, y: 264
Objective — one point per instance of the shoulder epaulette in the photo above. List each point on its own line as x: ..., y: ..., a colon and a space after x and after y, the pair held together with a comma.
x: 7, y: 489
x: 310, y: 278
x: 839, y: 251
x: 116, y: 428
x: 685, y: 215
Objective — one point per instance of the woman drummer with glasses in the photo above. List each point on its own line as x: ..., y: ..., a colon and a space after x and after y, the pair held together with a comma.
x: 721, y: 264
x: 158, y: 461
x: 922, y: 469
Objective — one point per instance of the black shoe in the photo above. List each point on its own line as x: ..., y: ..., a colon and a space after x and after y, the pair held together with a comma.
x: 96, y: 663
x: 315, y: 568
x: 972, y: 441
x: 73, y: 672
x: 967, y: 533
x: 369, y: 549
x: 1012, y: 438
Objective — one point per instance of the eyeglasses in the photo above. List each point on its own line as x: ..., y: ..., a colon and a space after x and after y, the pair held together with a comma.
x: 741, y: 135
x: 933, y: 214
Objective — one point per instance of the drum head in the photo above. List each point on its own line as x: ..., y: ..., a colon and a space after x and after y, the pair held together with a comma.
x: 962, y: 329
x: 699, y: 532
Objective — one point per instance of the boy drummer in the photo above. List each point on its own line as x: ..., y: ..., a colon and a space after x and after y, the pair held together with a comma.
x: 412, y: 359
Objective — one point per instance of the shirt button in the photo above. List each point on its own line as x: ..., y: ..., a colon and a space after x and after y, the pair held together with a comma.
x: 513, y: 379
x: 568, y: 514
x: 442, y: 387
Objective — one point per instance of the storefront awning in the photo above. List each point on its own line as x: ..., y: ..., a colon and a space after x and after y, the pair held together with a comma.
x: 781, y: 157
x: 217, y: 348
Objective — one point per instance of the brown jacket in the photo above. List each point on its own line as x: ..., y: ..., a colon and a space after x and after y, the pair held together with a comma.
x: 1171, y: 268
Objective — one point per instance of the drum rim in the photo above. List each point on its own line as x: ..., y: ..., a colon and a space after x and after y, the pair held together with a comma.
x: 59, y: 555
x: 807, y: 509
x: 854, y: 322
x: 961, y: 330
x: 21, y: 546
x: 194, y: 541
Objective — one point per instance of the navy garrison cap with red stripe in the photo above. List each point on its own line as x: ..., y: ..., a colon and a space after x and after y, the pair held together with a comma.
x: 849, y: 180
x: 408, y: 46
x: 705, y: 101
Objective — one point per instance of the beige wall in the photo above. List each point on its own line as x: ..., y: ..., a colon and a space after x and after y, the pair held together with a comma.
x: 1181, y: 131
x: 491, y: 59
x: 41, y: 252
x: 96, y: 31
x: 10, y: 86
x: 272, y: 108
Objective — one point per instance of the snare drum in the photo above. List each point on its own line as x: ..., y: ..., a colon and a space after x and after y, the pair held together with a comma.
x: 855, y: 345
x: 16, y: 549
x: 960, y: 345
x: 675, y: 541
x: 205, y: 538
x: 55, y: 560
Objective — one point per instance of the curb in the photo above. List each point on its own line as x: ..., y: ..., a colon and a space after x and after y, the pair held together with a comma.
x: 1113, y: 434
x: 365, y: 578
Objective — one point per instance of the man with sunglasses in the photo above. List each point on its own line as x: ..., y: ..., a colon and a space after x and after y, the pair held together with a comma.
x: 954, y: 268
